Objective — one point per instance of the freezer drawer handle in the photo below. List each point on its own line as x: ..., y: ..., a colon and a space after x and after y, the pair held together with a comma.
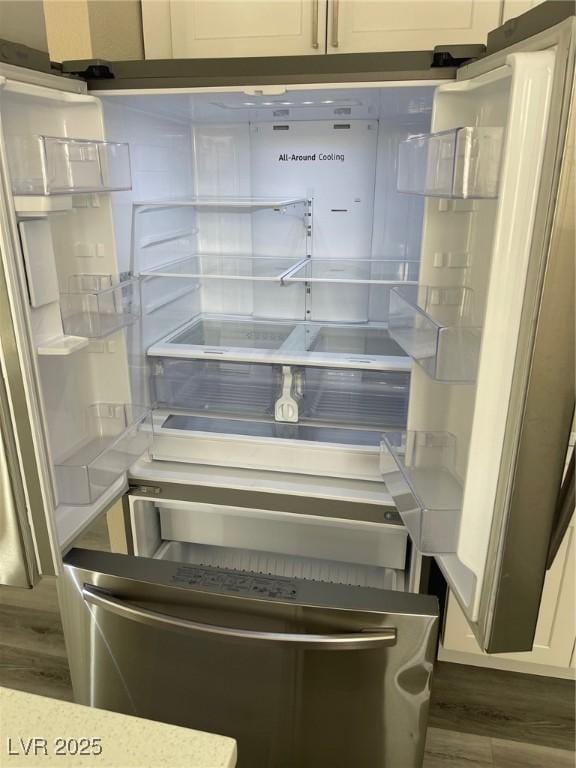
x: 349, y: 642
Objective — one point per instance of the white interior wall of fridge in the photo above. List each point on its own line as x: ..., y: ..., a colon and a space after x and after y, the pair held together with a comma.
x: 345, y: 143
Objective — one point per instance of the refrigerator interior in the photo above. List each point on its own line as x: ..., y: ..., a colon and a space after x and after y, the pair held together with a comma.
x: 234, y: 280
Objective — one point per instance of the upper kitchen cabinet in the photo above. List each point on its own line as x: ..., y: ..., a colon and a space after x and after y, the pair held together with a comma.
x: 356, y: 26
x: 228, y: 28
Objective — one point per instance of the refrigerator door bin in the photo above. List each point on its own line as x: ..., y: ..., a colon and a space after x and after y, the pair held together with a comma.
x: 95, y: 306
x: 426, y: 489
x: 438, y: 328
x: 115, y: 436
x: 457, y: 163
x: 50, y: 165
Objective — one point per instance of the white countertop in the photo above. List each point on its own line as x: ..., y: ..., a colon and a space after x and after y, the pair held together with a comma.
x: 125, y: 741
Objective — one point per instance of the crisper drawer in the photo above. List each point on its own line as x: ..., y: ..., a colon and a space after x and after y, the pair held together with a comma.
x: 303, y: 535
x: 230, y: 414
x: 376, y: 399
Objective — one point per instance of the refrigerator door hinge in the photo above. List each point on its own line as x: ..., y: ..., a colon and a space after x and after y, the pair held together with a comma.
x: 144, y: 490
x: 89, y: 69
x: 456, y: 55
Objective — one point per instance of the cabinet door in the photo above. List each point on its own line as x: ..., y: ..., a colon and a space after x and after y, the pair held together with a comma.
x: 226, y: 28
x: 513, y: 8
x: 360, y: 25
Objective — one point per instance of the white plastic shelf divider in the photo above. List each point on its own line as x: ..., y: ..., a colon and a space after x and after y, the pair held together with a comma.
x: 95, y: 306
x: 52, y: 165
x: 425, y: 489
x: 457, y: 163
x: 229, y: 267
x: 332, y: 345
x: 116, y: 435
x: 437, y: 327
x: 370, y: 271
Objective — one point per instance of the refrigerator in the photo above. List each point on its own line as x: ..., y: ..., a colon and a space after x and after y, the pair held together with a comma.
x: 311, y: 320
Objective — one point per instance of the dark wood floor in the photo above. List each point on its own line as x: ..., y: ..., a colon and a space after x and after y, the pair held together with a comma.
x: 503, y: 705
x: 470, y: 700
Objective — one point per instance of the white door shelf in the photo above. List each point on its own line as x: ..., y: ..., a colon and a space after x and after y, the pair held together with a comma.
x: 50, y: 165
x: 95, y: 306
x: 115, y: 436
x: 458, y: 163
x: 425, y: 489
x: 61, y: 346
x: 212, y: 337
x: 437, y: 327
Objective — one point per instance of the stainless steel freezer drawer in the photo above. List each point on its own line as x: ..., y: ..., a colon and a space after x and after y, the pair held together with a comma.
x: 303, y: 674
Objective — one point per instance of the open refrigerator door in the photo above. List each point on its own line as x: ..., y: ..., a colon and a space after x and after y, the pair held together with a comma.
x: 491, y: 330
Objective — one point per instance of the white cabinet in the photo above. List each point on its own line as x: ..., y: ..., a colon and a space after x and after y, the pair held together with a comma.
x: 553, y: 652
x: 513, y: 8
x: 363, y: 25
x: 228, y: 28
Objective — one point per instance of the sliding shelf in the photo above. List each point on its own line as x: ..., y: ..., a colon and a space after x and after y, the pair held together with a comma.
x: 438, y: 328
x: 230, y: 204
x: 115, y: 436
x: 50, y: 165
x: 425, y: 489
x: 369, y: 271
x: 217, y: 266
x: 458, y: 163
x: 95, y: 306
x: 241, y: 339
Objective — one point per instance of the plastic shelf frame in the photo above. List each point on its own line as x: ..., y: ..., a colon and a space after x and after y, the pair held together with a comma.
x: 459, y: 163
x: 342, y: 270
x: 50, y: 165
x: 425, y: 488
x: 438, y: 328
x: 116, y: 435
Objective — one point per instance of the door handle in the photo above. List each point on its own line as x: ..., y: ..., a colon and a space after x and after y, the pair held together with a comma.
x: 367, y: 639
x: 314, y: 23
x: 334, y: 32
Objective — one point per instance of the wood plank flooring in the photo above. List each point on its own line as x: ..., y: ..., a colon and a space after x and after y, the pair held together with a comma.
x: 452, y: 749
x: 503, y: 705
